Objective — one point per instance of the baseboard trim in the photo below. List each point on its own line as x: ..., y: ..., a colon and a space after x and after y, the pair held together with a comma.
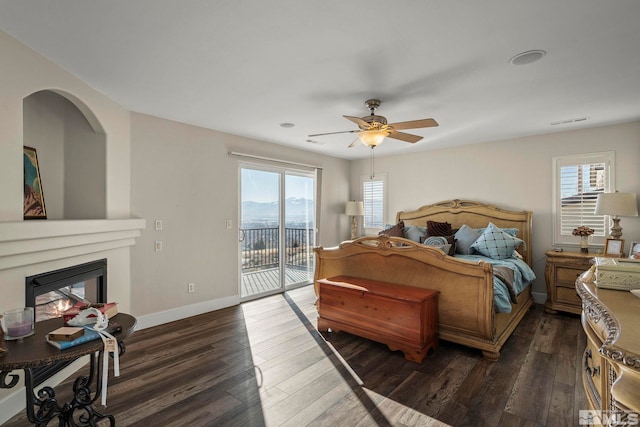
x: 539, y: 297
x: 162, y: 317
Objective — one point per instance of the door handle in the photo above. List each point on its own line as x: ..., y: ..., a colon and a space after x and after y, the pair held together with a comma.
x: 241, y: 234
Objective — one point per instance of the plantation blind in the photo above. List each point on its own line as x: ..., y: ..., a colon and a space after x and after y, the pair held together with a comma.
x: 579, y: 180
x: 373, y: 195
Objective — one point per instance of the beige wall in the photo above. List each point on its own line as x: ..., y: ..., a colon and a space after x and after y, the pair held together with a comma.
x: 184, y: 176
x: 514, y: 174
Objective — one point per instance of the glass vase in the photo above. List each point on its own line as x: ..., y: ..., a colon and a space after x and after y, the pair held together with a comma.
x: 584, y: 244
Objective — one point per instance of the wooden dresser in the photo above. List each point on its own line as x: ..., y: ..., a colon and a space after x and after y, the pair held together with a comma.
x: 611, y: 360
x: 561, y: 272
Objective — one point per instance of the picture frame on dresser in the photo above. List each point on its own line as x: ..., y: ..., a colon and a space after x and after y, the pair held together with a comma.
x: 614, y: 247
x: 33, y: 202
x: 634, y: 250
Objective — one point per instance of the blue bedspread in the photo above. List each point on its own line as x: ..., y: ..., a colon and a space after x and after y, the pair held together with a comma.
x: 523, y: 276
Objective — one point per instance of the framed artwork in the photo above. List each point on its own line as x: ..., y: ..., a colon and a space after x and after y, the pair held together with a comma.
x: 33, y: 196
x: 634, y: 250
x: 614, y: 247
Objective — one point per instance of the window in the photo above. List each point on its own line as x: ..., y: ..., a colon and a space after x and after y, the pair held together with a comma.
x: 374, y: 198
x: 577, y: 182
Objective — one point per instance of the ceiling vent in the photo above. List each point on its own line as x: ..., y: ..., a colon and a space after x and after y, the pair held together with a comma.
x: 568, y: 121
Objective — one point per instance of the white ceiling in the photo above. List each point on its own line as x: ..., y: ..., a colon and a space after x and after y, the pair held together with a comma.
x: 246, y: 66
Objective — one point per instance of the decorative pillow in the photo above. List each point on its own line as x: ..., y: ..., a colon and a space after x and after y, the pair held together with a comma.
x: 513, y: 232
x: 395, y: 231
x: 495, y: 243
x: 415, y: 233
x: 435, y: 241
x: 435, y: 228
x: 446, y: 243
x: 465, y: 237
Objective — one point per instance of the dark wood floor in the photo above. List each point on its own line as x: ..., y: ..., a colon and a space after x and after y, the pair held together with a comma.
x: 264, y: 363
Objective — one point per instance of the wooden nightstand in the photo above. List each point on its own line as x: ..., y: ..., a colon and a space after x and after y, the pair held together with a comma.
x: 561, y: 272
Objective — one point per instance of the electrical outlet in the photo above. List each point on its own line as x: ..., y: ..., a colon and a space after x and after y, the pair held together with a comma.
x: 229, y: 224
x: 158, y: 245
x: 158, y: 224
x: 191, y: 287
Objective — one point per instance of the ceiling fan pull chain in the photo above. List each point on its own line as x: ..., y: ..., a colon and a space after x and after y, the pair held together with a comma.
x: 373, y: 174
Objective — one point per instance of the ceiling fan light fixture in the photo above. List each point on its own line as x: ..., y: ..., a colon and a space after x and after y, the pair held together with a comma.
x: 373, y: 138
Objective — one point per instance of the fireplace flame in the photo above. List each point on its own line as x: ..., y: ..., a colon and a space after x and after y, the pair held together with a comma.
x: 61, y: 307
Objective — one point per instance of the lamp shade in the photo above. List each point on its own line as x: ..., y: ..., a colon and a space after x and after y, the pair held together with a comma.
x: 617, y: 204
x: 353, y: 208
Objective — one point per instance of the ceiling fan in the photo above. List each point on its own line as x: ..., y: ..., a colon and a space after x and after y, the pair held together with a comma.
x: 374, y: 129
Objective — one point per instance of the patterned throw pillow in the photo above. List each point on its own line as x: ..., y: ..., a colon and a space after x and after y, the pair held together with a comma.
x: 495, y: 243
x: 435, y: 228
x: 395, y: 231
x: 446, y: 243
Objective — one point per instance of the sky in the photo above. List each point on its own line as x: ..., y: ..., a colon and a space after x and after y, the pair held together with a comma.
x: 262, y: 186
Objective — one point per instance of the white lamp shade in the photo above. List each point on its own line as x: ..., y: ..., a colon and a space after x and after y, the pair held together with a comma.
x: 617, y: 204
x: 354, y: 208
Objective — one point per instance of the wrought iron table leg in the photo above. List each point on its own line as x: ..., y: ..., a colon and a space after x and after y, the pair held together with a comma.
x: 77, y: 412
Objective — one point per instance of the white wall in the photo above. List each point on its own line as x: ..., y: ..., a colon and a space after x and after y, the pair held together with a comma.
x: 183, y: 175
x: 515, y: 174
x: 31, y: 247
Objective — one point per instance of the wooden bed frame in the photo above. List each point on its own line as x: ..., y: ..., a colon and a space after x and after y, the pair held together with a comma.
x: 466, y: 305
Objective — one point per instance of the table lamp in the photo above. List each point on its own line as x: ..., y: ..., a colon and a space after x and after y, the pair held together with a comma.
x: 616, y: 204
x: 354, y: 209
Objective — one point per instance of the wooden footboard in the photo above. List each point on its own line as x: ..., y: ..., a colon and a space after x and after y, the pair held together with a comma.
x: 466, y: 307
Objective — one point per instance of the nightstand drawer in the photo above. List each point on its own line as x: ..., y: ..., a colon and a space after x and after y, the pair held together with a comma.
x: 568, y: 295
x: 568, y: 276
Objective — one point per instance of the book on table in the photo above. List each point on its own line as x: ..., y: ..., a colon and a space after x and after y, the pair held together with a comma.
x: 88, y: 335
x: 66, y: 333
x: 110, y: 309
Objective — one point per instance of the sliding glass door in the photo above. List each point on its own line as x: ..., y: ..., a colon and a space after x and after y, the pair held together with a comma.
x: 277, y: 229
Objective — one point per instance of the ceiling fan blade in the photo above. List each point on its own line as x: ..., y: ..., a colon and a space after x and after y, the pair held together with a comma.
x: 358, y: 121
x: 406, y: 137
x: 414, y: 124
x: 354, y: 143
x: 333, y: 133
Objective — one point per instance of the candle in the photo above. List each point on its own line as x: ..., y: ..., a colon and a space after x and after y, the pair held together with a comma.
x: 18, y: 330
x: 18, y: 323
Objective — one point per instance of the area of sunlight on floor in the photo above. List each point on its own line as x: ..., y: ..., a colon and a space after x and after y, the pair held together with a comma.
x: 289, y: 354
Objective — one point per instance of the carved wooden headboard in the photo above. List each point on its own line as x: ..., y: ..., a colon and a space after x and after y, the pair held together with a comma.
x: 474, y: 214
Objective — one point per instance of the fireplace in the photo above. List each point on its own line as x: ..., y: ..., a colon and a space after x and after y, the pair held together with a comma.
x: 53, y: 292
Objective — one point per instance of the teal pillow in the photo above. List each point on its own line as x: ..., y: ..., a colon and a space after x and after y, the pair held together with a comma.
x: 415, y: 233
x: 495, y: 243
x: 513, y: 232
x: 465, y: 237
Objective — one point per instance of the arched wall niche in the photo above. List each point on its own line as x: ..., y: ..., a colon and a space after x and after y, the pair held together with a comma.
x: 71, y: 146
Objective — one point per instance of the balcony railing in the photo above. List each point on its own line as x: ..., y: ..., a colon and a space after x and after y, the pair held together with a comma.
x: 261, y: 248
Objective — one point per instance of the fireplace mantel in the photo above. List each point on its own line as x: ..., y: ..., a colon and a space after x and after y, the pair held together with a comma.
x: 30, y: 242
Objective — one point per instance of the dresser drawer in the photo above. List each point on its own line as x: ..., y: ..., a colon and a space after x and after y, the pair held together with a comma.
x: 593, y: 370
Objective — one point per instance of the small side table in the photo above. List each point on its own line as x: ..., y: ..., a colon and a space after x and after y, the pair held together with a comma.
x: 561, y: 272
x: 34, y: 351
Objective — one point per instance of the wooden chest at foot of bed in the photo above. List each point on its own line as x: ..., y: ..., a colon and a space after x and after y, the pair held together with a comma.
x: 404, y: 318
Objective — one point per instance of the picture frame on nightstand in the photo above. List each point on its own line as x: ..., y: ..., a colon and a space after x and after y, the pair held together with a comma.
x: 614, y: 247
x: 634, y: 250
